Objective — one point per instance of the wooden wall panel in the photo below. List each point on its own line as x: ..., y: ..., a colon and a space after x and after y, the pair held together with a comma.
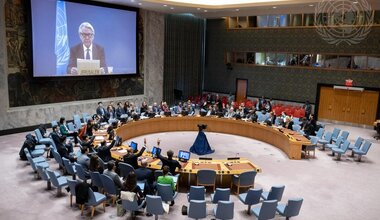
x: 353, y: 105
x: 325, y: 103
x: 369, y: 107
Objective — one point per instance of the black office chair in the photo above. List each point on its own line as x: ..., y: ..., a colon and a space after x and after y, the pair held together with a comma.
x: 377, y: 128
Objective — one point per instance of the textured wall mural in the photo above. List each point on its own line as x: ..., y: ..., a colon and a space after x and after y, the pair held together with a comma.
x: 24, y: 90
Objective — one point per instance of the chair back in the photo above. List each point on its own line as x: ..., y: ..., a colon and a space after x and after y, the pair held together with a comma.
x: 77, y: 122
x: 69, y: 167
x: 339, y: 141
x: 276, y: 193
x: 108, y: 184
x: 320, y: 132
x: 57, y: 158
x: 30, y: 159
x: 96, y: 179
x: 53, y: 178
x: 253, y: 196
x: 154, y: 205
x: 358, y: 143
x: 328, y: 136
x: 42, y: 173
x: 125, y: 169
x: 206, y: 176
x: 314, y: 140
x: 38, y: 134
x: 197, y: 193
x: 221, y: 194
x: 293, y: 207
x: 224, y: 210
x: 130, y: 205
x: 296, y: 127
x: 335, y: 133
x: 277, y: 121
x: 54, y: 123
x: 296, y: 121
x: 268, y: 209
x: 197, y: 209
x: 366, y: 146
x: 80, y: 171
x: 165, y: 191
x: 345, y: 135
x: 72, y: 185
x: 247, y: 178
x: 71, y: 126
x: 91, y: 197
x: 345, y: 146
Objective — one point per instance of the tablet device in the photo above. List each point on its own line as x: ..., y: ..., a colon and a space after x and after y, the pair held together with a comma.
x: 183, y: 155
x: 155, y: 151
x: 133, y: 145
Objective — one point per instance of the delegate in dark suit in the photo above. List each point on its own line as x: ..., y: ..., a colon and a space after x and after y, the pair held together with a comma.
x: 131, y: 158
x: 77, y: 52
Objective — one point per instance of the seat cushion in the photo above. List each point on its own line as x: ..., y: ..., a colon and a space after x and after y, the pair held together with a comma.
x: 242, y: 197
x: 281, y: 208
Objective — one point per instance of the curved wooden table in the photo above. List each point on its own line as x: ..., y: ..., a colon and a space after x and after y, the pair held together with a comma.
x: 290, y: 142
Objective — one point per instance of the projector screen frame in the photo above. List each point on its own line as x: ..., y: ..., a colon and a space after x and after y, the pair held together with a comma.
x: 30, y: 63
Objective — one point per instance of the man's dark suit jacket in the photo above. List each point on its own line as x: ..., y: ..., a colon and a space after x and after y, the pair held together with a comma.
x: 144, y: 173
x: 131, y: 159
x: 77, y: 52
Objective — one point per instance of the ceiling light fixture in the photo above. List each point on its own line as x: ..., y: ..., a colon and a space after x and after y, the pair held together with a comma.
x: 171, y: 8
x: 205, y: 10
x: 274, y: 7
x: 140, y: 3
x: 311, y: 5
x: 165, y: 5
x: 198, y: 9
x: 237, y: 9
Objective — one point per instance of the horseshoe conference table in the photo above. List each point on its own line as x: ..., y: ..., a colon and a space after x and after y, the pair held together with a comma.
x: 287, y: 140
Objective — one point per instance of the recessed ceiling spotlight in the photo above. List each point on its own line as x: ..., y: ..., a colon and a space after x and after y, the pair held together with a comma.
x: 165, y: 5
x: 171, y: 8
x: 205, y: 10
x: 132, y: 0
x: 355, y: 2
x: 237, y: 9
x: 311, y: 5
x: 274, y: 7
x: 140, y: 3
x: 198, y: 9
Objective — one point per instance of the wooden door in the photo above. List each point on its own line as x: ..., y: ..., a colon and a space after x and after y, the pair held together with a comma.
x: 241, y: 90
x: 339, y: 105
x: 353, y: 106
x: 326, y: 101
x: 368, y: 108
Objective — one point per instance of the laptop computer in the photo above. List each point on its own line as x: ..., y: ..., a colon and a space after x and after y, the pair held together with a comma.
x: 183, y: 156
x: 133, y: 145
x: 88, y: 67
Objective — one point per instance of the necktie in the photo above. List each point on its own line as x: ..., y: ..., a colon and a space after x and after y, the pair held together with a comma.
x: 88, y: 54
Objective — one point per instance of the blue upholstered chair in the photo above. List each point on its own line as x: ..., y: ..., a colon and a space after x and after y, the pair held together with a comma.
x: 363, y: 150
x: 82, y: 174
x: 206, y: 177
x: 338, y: 142
x: 291, y: 209
x: 72, y: 185
x: 154, y: 205
x: 252, y: 197
x: 132, y: 206
x: 267, y: 210
x: 54, y: 123
x: 296, y: 127
x: 311, y: 147
x: 36, y: 159
x: 325, y: 140
x: 335, y: 134
x: 77, y: 122
x: 34, y: 167
x: 40, y: 138
x: 319, y: 133
x: 224, y: 210
x: 70, y: 168
x: 85, y: 117
x: 71, y: 126
x: 36, y: 152
x: 341, y: 150
x: 344, y: 135
x: 296, y: 121
x: 245, y: 179
x: 196, y: 193
x: 58, y: 159
x: 96, y: 180
x: 197, y: 209
x: 357, y: 145
x: 58, y: 182
x: 94, y: 199
x: 165, y: 191
x: 43, y: 174
x: 109, y: 187
x: 275, y: 193
x: 125, y: 169
x: 221, y: 194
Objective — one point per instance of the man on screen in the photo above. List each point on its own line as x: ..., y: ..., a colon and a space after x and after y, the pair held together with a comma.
x: 86, y: 50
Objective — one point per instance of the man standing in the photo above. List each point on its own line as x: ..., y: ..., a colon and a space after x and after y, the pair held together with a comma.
x: 86, y: 49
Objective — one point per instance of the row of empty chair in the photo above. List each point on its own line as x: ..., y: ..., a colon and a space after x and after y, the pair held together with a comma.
x: 339, y: 144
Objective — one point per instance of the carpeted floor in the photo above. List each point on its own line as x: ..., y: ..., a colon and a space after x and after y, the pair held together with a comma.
x: 331, y: 189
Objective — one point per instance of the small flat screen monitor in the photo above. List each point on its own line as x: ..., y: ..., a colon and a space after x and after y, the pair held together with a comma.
x: 155, y: 151
x: 133, y: 145
x: 183, y: 155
